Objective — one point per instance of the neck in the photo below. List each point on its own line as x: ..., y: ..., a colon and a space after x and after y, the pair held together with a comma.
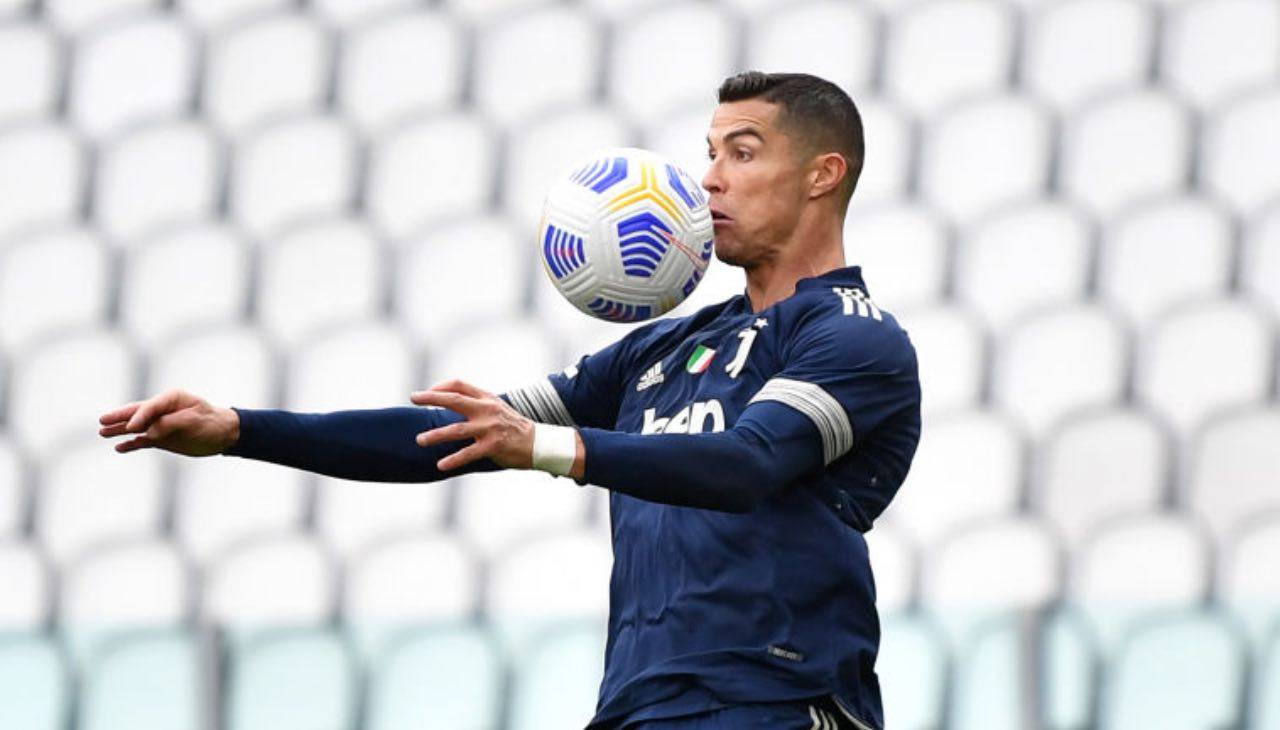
x: 811, y: 251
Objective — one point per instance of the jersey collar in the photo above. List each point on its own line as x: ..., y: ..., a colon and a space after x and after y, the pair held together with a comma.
x: 845, y: 276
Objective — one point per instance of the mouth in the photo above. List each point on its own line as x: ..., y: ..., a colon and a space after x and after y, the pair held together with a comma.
x: 719, y: 218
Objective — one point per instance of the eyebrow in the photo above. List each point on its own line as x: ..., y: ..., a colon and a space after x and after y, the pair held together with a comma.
x: 742, y: 132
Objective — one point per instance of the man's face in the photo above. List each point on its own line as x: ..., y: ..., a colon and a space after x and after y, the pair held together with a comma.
x: 756, y: 181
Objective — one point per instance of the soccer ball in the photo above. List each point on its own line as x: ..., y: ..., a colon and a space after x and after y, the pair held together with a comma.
x: 625, y: 235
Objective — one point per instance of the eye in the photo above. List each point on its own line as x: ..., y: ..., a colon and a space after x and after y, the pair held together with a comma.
x: 711, y: 154
x: 743, y: 153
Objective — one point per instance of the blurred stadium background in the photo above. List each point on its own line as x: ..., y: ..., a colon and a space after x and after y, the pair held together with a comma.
x: 1073, y: 207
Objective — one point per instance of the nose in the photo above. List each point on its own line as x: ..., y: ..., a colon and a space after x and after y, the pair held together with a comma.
x: 711, y: 181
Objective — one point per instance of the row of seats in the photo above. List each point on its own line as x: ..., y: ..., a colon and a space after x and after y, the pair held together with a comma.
x: 131, y: 62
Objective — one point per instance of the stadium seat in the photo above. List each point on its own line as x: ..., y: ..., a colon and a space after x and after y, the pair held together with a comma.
x: 957, y: 174
x: 42, y: 176
x: 132, y: 71
x: 1133, y: 567
x: 61, y: 385
x: 495, y: 510
x: 968, y: 466
x: 295, y: 170
x: 1058, y: 361
x: 292, y: 680
x: 15, y: 8
x: 435, y: 293
x: 1248, y: 584
x: 1164, y: 253
x: 513, y: 50
x: 90, y: 495
x: 950, y: 353
x: 912, y: 672
x: 1062, y: 63
x: 31, y: 69
x: 830, y: 39
x: 902, y: 250
x: 1265, y: 692
x: 1099, y: 465
x: 266, y: 67
x: 121, y: 588
x: 1259, y: 268
x: 76, y: 17
x: 365, y: 365
x: 989, y: 689
x: 53, y: 280
x: 380, y: 78
x: 157, y: 175
x: 886, y: 174
x: 561, y: 575
x: 1240, y: 154
x: 13, y: 491
x: 449, y: 677
x: 1202, y: 357
x: 698, y: 49
x: 482, y: 11
x: 1211, y: 50
x: 1178, y: 672
x: 941, y: 51
x: 183, y: 280
x: 428, y: 171
x: 216, y: 15
x: 344, y: 14
x: 556, y: 686
x: 147, y: 681
x: 319, y: 275
x: 280, y: 581
x: 1124, y: 147
x: 893, y: 567
x: 1232, y: 471
x: 407, y: 581
x: 222, y: 501
x: 1028, y: 257
x: 353, y: 515
x: 28, y: 590
x: 540, y: 153
x: 681, y: 137
x: 228, y: 366
x: 1069, y: 669
x: 505, y: 354
x: 36, y: 691
x: 960, y: 589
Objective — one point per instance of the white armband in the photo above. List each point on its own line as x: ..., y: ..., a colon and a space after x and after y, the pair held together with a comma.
x: 554, y: 448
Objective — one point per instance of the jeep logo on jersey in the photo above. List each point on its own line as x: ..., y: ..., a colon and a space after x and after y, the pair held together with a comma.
x: 690, y: 419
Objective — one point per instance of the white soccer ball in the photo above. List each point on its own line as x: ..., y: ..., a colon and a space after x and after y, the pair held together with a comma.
x: 625, y: 235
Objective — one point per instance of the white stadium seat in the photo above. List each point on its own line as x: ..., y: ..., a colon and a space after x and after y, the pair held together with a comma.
x: 217, y: 15
x: 1066, y: 67
x: 1202, y: 357
x: 1265, y: 692
x: 1233, y: 465
x: 509, y: 353
x: 1097, y: 466
x: 557, y: 684
x: 31, y: 69
x: 1248, y: 583
x: 903, y: 252
x: 13, y: 490
x: 1069, y: 661
x: 292, y: 680
x: 346, y: 13
x: 36, y: 691
x: 15, y: 8
x: 951, y: 354
x: 827, y: 38
x: 943, y: 50
x: 222, y: 501
x: 319, y: 275
x: 297, y: 169
x: 1163, y: 254
x: 1124, y: 147
x: 151, y: 664
x: 515, y: 49
x: 429, y: 170
x: 280, y: 581
x: 363, y: 365
x: 42, y: 176
x: 912, y: 671
x: 159, y: 175
x: 697, y: 53
x: 890, y: 136
x: 265, y: 67
x: 50, y: 281
x: 228, y: 366
x: 957, y: 174
x: 133, y: 71
x: 1211, y: 50
x: 1059, y: 361
x: 184, y: 279
x: 381, y: 77
x: 893, y: 563
x: 1240, y: 154
x: 1259, y: 269
x: 968, y: 466
x: 681, y: 137
x: 1032, y: 256
x: 452, y: 675
x: 987, y: 687
x: 28, y: 589
x: 496, y: 510
x: 352, y: 515
x: 482, y: 11
x: 90, y: 495
x: 75, y: 17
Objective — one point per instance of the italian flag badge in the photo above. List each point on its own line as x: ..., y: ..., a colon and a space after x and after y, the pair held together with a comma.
x: 700, y: 359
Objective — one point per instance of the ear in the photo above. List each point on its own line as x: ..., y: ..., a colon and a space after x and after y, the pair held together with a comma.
x: 826, y: 172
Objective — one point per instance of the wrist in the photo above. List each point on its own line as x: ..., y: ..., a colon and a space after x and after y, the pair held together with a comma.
x: 555, y: 449
x: 230, y: 428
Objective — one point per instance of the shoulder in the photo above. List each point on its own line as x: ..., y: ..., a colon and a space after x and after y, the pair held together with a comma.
x: 845, y: 321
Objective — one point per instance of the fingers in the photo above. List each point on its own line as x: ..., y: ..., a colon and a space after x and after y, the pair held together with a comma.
x: 462, y: 457
x: 133, y: 444
x: 120, y: 414
x: 464, y: 404
x: 115, y: 429
x: 461, y: 386
x: 452, y: 432
x: 153, y: 408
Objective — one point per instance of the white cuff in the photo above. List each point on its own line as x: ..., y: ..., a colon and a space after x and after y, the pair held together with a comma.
x: 554, y: 448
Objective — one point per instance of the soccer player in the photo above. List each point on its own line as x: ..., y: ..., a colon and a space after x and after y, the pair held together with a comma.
x: 747, y: 447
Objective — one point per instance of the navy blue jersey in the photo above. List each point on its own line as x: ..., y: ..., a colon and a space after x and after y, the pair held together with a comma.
x: 711, y: 608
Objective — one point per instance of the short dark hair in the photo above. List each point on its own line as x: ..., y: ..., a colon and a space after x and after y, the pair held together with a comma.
x: 818, y: 113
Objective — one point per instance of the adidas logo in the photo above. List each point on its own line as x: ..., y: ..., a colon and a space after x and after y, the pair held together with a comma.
x: 651, y: 377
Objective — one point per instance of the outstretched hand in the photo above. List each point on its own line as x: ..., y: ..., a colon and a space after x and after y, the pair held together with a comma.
x: 501, y: 433
x: 174, y: 421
